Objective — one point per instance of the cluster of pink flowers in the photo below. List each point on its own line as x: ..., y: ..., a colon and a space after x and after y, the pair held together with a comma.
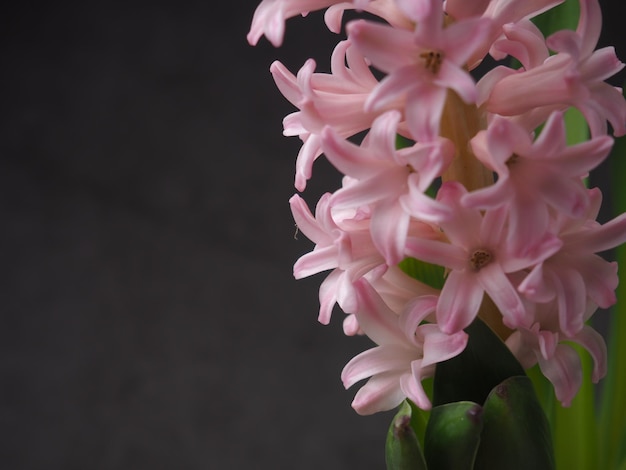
x: 513, y: 222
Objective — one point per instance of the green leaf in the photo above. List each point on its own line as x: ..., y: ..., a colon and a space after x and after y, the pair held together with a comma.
x: 574, y: 428
x: 402, y: 449
x: 516, y: 434
x: 403, y: 142
x: 419, y: 417
x: 453, y: 436
x: 430, y: 274
x: 545, y: 393
x: 470, y: 376
x: 563, y: 16
x: 576, y: 127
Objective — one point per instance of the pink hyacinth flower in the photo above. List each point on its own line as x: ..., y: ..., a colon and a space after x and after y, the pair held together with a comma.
x: 576, y: 275
x: 407, y: 352
x: 384, y: 177
x: 350, y: 254
x: 503, y: 13
x: 534, y: 177
x: 558, y: 361
x: 336, y: 99
x: 478, y: 259
x: 573, y: 77
x: 421, y: 65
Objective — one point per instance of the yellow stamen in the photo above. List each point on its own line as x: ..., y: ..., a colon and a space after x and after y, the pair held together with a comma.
x: 433, y: 60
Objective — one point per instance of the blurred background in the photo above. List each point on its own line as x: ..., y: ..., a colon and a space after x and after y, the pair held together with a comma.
x: 149, y: 318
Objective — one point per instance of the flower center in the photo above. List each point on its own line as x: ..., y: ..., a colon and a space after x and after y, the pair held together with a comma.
x: 479, y: 259
x: 512, y: 160
x: 432, y: 60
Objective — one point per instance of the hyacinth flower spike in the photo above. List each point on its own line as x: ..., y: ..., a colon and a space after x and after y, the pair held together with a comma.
x: 463, y: 239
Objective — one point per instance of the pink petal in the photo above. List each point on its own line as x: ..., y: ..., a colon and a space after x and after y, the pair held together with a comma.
x: 316, y: 261
x: 378, y: 360
x: 551, y: 141
x: 462, y: 38
x: 589, y: 25
x: 286, y: 82
x: 600, y: 280
x: 602, y: 238
x: 489, y: 197
x: 578, y: 160
x: 459, y: 9
x: 602, y: 64
x: 438, y: 346
x: 565, y: 373
x: 459, y: 301
x: 392, y: 88
x: 328, y: 295
x: 572, y: 300
x: 348, y: 158
x: 411, y: 384
x: 526, y: 43
x: 376, y: 319
x: 422, y: 207
x: 387, y: 48
x: 452, y: 76
x: 568, y: 196
x: 436, y: 252
x: 497, y: 285
x: 536, y: 287
x: 389, y: 228
x: 351, y: 326
x: 415, y: 313
x: 380, y: 393
x: 305, y: 221
x: 593, y: 342
x: 423, y: 119
x: 417, y: 11
x: 310, y: 150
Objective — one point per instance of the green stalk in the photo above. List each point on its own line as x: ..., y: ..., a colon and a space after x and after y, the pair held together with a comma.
x: 613, y: 412
x: 575, y: 429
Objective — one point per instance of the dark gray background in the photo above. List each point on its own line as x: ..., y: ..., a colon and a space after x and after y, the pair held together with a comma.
x: 149, y: 317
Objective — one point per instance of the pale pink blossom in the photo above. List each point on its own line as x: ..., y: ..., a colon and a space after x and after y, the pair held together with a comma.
x: 421, y: 64
x: 385, y: 177
x: 398, y: 291
x: 501, y: 13
x: 478, y: 259
x: 534, y: 177
x: 524, y: 41
x: 576, y: 275
x: 407, y: 352
x: 575, y: 76
x: 547, y: 346
x: 350, y: 254
x: 336, y: 99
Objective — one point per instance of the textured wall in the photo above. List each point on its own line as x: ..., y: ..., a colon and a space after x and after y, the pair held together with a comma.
x: 149, y: 319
